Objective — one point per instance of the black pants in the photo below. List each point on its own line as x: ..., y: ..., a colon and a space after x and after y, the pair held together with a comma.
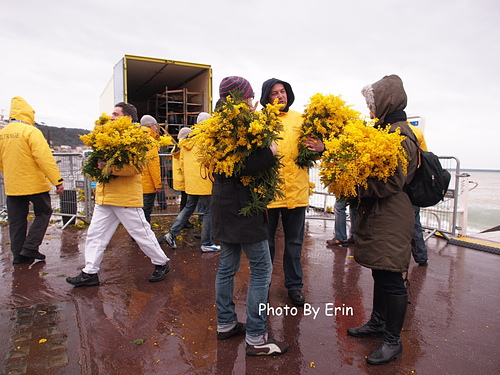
x: 149, y: 202
x: 17, y: 210
x: 389, y: 282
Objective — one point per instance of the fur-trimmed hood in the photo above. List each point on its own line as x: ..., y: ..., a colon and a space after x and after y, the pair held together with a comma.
x: 385, y: 96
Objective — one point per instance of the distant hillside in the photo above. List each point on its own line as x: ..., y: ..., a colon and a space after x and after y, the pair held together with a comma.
x: 62, y: 136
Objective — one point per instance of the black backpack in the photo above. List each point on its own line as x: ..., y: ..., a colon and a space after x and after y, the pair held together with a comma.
x: 431, y: 180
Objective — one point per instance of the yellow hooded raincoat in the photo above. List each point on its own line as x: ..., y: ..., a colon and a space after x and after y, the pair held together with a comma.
x: 151, y: 176
x: 197, y: 180
x: 295, y: 179
x: 26, y: 160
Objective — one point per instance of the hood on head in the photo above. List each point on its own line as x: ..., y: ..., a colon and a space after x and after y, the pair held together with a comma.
x: 20, y: 110
x: 148, y: 120
x: 266, y: 90
x: 385, y: 96
x: 183, y: 133
x: 202, y: 116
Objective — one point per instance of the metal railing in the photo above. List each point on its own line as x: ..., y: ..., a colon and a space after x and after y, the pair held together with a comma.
x: 77, y: 202
x: 448, y: 217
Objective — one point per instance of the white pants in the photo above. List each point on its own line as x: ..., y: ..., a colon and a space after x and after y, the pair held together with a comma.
x: 103, y: 225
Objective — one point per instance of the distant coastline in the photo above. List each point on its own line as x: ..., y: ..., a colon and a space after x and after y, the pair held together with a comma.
x: 479, y: 170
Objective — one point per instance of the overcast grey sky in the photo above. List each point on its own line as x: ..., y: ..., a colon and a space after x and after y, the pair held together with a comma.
x: 59, y: 55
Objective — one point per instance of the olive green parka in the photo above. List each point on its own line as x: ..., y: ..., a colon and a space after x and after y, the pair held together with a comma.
x: 384, y: 225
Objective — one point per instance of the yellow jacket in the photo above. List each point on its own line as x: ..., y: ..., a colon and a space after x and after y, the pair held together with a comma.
x: 177, y: 172
x: 151, y: 176
x: 123, y: 191
x: 420, y: 137
x: 26, y: 161
x: 295, y: 179
x: 197, y: 180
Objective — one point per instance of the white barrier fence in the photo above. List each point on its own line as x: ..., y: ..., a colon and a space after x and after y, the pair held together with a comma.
x: 448, y: 217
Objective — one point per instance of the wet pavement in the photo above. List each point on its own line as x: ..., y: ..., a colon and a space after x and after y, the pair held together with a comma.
x: 128, y: 325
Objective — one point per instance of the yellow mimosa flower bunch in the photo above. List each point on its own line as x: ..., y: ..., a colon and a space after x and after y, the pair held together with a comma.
x: 230, y: 136
x: 118, y: 142
x: 324, y: 116
x: 359, y: 153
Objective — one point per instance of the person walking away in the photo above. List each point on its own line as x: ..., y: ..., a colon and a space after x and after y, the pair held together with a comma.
x: 384, y: 227
x: 151, y: 174
x: 178, y: 173
x: 292, y: 207
x: 29, y: 171
x: 198, y: 184
x: 119, y: 201
x: 249, y: 234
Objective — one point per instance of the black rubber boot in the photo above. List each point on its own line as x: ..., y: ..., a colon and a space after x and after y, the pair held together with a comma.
x: 391, y: 347
x: 376, y: 325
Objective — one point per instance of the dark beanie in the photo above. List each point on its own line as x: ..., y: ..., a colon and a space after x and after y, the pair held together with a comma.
x: 235, y: 83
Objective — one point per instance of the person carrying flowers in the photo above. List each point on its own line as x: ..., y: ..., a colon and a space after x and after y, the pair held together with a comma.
x: 120, y: 149
x: 198, y: 187
x: 238, y: 146
x: 295, y: 187
x: 151, y: 175
x: 384, y: 225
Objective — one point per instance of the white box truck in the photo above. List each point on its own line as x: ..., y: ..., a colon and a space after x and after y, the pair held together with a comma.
x: 174, y: 92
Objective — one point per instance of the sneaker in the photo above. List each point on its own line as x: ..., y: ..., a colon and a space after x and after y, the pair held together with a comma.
x: 84, y: 279
x: 238, y: 329
x: 20, y: 259
x: 159, y: 273
x: 170, y: 240
x: 271, y: 347
x: 297, y: 297
x: 210, y: 248
x: 32, y: 254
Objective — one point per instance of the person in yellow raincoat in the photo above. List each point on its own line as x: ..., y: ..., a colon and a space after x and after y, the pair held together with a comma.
x: 198, y: 185
x: 151, y: 175
x: 119, y: 201
x: 295, y: 187
x: 29, y: 171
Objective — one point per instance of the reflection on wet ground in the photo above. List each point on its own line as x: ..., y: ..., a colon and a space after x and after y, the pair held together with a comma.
x: 130, y: 326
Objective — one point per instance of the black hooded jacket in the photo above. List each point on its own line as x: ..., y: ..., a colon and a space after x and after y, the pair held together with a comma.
x: 266, y: 89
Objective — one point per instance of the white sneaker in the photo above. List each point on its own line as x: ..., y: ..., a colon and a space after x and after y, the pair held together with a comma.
x: 271, y: 347
x: 210, y: 248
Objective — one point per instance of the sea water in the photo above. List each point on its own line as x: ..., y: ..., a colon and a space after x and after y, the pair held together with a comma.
x: 484, y: 200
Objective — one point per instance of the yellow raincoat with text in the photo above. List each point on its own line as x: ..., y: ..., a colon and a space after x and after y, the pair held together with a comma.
x: 26, y: 160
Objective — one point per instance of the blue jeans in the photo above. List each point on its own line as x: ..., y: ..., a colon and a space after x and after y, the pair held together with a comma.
x: 187, y: 211
x: 418, y: 248
x: 261, y: 269
x: 339, y: 210
x: 293, y: 221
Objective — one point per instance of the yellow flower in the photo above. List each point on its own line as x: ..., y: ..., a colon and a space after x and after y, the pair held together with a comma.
x: 230, y: 136
x: 118, y: 142
x: 360, y: 152
x: 325, y: 116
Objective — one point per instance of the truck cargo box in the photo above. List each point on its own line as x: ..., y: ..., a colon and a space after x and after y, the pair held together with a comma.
x: 174, y: 92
